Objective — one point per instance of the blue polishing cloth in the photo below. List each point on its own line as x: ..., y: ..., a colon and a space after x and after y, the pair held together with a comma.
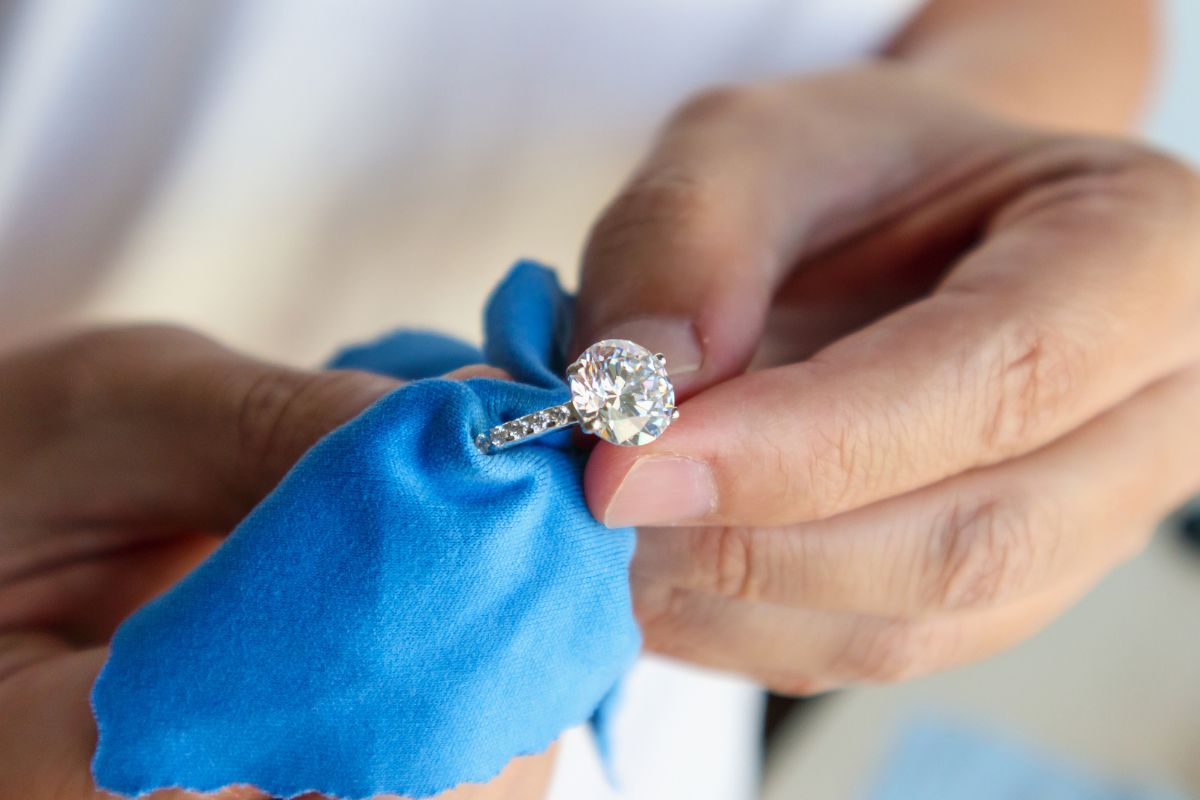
x: 403, y: 613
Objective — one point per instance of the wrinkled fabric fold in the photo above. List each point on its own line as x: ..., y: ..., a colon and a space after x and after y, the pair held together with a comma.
x: 402, y: 613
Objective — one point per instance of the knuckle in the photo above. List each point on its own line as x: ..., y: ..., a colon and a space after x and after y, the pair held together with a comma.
x: 92, y: 366
x: 107, y: 344
x: 839, y: 463
x: 1154, y: 169
x: 1030, y: 375
x: 832, y: 465
x: 1109, y: 188
x: 888, y: 651
x: 1183, y: 182
x: 726, y: 559
x: 723, y: 102
x: 267, y: 408
x: 983, y: 553
x: 671, y: 196
x: 279, y: 413
x: 660, y: 200
x: 1123, y: 191
x: 1066, y: 166
x: 1174, y: 195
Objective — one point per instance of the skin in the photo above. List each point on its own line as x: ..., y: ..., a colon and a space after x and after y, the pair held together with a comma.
x: 939, y: 362
x: 126, y: 456
x: 971, y: 329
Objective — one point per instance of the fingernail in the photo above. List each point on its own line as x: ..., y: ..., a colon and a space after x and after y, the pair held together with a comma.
x: 660, y: 490
x: 674, y: 337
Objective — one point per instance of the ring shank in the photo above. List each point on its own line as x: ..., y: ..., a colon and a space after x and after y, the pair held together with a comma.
x: 530, y: 426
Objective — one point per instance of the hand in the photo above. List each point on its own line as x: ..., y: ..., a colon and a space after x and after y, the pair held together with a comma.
x: 125, y: 456
x: 977, y: 369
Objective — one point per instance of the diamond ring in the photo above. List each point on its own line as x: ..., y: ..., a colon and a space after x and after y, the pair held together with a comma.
x: 619, y: 391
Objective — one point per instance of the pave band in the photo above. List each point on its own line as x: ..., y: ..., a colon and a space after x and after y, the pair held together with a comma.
x: 528, y: 427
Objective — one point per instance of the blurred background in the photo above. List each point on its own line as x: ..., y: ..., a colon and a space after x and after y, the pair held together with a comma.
x: 223, y: 206
x: 1106, y: 698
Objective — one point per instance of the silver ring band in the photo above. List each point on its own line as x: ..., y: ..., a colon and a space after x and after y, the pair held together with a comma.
x: 530, y: 426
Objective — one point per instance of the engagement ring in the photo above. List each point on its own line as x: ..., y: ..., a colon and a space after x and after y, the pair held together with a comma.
x: 619, y: 391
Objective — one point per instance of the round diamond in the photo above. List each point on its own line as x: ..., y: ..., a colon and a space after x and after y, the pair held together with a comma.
x: 621, y: 392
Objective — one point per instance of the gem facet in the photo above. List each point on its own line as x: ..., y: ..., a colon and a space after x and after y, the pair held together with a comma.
x: 621, y: 392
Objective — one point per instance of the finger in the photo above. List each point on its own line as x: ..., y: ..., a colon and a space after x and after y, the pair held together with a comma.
x: 84, y: 600
x: 157, y: 428
x: 802, y: 652
x: 1083, y: 291
x: 743, y: 183
x: 48, y: 755
x: 989, y: 537
x: 143, y: 447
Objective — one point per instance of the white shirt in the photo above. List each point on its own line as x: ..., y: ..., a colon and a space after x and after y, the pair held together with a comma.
x: 292, y: 175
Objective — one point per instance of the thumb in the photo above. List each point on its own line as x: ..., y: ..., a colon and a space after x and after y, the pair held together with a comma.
x: 680, y: 262
x: 744, y: 187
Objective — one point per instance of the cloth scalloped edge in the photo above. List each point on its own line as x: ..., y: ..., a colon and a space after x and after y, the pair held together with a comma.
x: 402, y: 614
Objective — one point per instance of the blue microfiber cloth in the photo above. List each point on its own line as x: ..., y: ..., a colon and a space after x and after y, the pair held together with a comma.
x: 403, y: 613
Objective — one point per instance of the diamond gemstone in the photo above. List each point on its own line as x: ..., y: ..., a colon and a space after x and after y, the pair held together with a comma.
x: 621, y: 392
